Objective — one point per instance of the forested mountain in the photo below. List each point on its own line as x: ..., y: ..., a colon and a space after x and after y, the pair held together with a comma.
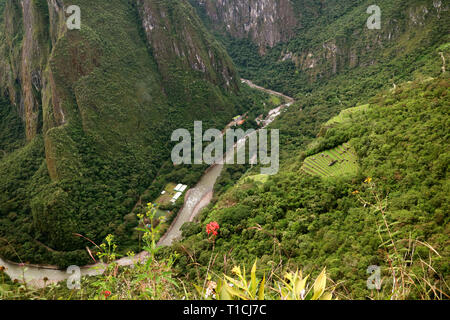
x: 310, y: 218
x: 302, y: 216
x: 330, y: 38
x: 86, y: 117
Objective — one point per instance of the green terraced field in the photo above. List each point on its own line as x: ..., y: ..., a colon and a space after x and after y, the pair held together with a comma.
x: 345, y: 114
x: 332, y: 163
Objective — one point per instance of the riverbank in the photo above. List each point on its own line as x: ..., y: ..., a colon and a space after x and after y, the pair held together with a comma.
x: 279, y: 94
x: 196, y: 199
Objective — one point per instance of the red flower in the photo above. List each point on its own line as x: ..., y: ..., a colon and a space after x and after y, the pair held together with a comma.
x: 106, y: 293
x: 211, y: 228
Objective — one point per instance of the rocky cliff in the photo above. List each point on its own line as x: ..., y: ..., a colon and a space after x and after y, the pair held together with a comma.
x: 33, y: 28
x: 306, y: 41
x: 265, y: 22
x: 172, y: 32
x: 346, y: 44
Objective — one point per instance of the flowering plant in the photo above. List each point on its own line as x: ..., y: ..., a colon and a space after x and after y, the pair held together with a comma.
x: 211, y: 228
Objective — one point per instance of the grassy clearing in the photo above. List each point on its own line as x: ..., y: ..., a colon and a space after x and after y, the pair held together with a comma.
x: 162, y: 213
x: 259, y: 178
x: 332, y: 163
x: 275, y: 100
x: 346, y: 114
x: 164, y: 199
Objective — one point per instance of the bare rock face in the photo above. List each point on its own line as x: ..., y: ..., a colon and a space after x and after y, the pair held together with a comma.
x: 176, y: 35
x: 266, y: 22
x: 21, y: 74
x: 9, y: 63
x: 31, y: 73
x: 361, y: 47
x: 24, y: 53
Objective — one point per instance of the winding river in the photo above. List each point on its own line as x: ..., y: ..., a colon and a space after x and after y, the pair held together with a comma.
x: 196, y: 199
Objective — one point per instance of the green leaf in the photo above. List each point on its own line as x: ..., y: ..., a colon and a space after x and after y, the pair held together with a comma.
x: 300, y: 286
x: 261, y: 288
x: 236, y: 283
x: 224, y: 295
x: 319, y: 285
x: 199, y: 290
x: 236, y: 293
x: 254, y: 284
x: 326, y: 296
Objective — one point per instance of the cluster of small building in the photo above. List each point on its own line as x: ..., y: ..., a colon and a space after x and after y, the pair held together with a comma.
x: 180, y: 188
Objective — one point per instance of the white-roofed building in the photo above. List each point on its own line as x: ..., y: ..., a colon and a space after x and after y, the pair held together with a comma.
x: 177, y: 195
x: 183, y: 188
x: 178, y: 187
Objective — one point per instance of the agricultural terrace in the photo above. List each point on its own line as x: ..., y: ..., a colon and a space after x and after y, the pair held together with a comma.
x: 332, y: 163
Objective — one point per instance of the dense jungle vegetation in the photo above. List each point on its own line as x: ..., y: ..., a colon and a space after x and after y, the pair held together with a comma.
x: 307, y: 221
x: 400, y: 142
x: 120, y: 103
x: 391, y: 210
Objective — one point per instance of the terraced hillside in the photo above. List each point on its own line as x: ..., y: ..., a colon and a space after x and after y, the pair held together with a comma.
x: 331, y: 163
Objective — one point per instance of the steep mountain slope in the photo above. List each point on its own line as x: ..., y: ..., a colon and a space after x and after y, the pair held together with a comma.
x: 267, y: 23
x: 332, y: 38
x: 97, y: 107
x: 298, y: 219
x: 86, y: 117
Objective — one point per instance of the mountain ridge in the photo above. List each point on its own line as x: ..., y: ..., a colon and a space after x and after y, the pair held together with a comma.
x: 101, y: 102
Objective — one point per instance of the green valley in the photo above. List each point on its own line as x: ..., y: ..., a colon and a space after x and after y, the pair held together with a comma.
x: 86, y: 174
